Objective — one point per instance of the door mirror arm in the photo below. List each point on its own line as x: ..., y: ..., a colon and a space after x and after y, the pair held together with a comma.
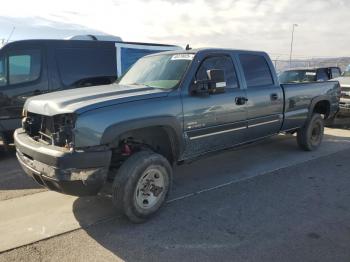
x: 214, y: 84
x: 200, y: 88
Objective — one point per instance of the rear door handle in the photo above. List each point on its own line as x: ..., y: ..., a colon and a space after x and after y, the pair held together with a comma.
x: 240, y: 100
x: 274, y: 96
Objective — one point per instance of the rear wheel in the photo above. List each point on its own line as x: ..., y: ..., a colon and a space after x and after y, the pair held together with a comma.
x: 310, y: 136
x: 141, y: 185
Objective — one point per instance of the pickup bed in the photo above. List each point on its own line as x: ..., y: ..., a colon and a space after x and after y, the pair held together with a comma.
x: 168, y: 108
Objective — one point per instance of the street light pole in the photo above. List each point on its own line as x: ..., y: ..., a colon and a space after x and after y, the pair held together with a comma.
x: 276, y: 58
x: 291, y: 46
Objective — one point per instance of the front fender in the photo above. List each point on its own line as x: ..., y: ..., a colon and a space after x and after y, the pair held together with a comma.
x: 104, y: 125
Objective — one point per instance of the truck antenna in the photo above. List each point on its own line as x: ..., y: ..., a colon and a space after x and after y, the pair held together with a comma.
x: 8, y: 39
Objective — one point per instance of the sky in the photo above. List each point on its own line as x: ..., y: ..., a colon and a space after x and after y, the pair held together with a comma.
x: 322, y: 31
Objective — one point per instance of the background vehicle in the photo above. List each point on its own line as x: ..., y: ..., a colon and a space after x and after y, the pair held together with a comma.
x: 168, y: 108
x: 33, y: 67
x: 309, y: 75
x: 344, y: 104
x: 96, y: 37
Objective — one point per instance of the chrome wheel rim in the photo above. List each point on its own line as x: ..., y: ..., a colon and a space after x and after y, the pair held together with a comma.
x: 150, y: 188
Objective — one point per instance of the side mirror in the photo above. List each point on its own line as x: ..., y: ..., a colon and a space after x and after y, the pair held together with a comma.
x: 214, y: 84
x: 217, y: 76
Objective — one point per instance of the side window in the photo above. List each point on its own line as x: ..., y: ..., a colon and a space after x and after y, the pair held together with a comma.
x: 256, y: 70
x: 24, y: 67
x: 335, y: 72
x: 77, y: 65
x: 219, y: 62
x: 3, y: 77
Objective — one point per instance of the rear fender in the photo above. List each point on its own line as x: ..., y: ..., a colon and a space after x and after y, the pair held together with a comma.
x: 315, y: 101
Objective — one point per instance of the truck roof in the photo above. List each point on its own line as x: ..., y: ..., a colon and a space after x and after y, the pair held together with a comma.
x: 56, y: 42
x: 212, y: 50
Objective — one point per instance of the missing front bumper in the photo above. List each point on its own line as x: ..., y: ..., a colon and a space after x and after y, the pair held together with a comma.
x: 78, y: 182
x: 78, y: 173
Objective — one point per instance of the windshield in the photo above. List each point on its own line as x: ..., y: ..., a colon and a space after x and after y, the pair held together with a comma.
x: 159, y: 71
x: 298, y: 76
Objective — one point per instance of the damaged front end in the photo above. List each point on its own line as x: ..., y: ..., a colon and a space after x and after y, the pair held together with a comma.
x: 45, y: 150
x: 54, y: 130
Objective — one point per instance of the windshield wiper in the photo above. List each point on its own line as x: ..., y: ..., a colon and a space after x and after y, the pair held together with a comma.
x: 139, y: 84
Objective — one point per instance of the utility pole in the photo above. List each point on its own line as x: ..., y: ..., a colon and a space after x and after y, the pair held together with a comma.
x: 276, y: 59
x: 291, y: 46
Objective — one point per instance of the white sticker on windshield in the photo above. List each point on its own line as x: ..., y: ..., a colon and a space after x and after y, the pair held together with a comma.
x: 310, y: 73
x: 182, y: 57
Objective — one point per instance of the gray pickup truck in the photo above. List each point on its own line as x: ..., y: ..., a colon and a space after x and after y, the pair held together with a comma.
x: 167, y: 109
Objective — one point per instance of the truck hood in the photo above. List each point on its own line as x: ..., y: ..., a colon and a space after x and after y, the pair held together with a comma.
x: 80, y: 100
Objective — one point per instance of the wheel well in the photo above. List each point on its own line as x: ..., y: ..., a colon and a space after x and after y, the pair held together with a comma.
x: 322, y: 107
x: 159, y: 139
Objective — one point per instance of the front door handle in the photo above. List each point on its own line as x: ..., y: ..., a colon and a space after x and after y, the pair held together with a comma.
x: 241, y: 100
x: 274, y: 96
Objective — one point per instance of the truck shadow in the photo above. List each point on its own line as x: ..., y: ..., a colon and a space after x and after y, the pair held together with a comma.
x: 195, y: 225
x: 341, y: 122
x: 7, y: 152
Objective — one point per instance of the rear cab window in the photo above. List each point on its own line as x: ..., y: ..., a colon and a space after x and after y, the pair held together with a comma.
x: 256, y: 70
x: 322, y: 75
x: 335, y: 72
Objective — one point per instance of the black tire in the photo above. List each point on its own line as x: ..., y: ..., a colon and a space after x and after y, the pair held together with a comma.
x: 310, y: 136
x: 125, y: 185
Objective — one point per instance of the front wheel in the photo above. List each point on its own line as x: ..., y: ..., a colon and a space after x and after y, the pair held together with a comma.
x: 310, y: 136
x: 141, y: 185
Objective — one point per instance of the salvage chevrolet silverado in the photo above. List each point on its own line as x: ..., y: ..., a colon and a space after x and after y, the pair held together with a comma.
x: 168, y: 108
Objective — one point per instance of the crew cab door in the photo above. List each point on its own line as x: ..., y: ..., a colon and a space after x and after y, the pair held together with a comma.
x: 214, y: 121
x: 265, y: 96
x: 22, y: 75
